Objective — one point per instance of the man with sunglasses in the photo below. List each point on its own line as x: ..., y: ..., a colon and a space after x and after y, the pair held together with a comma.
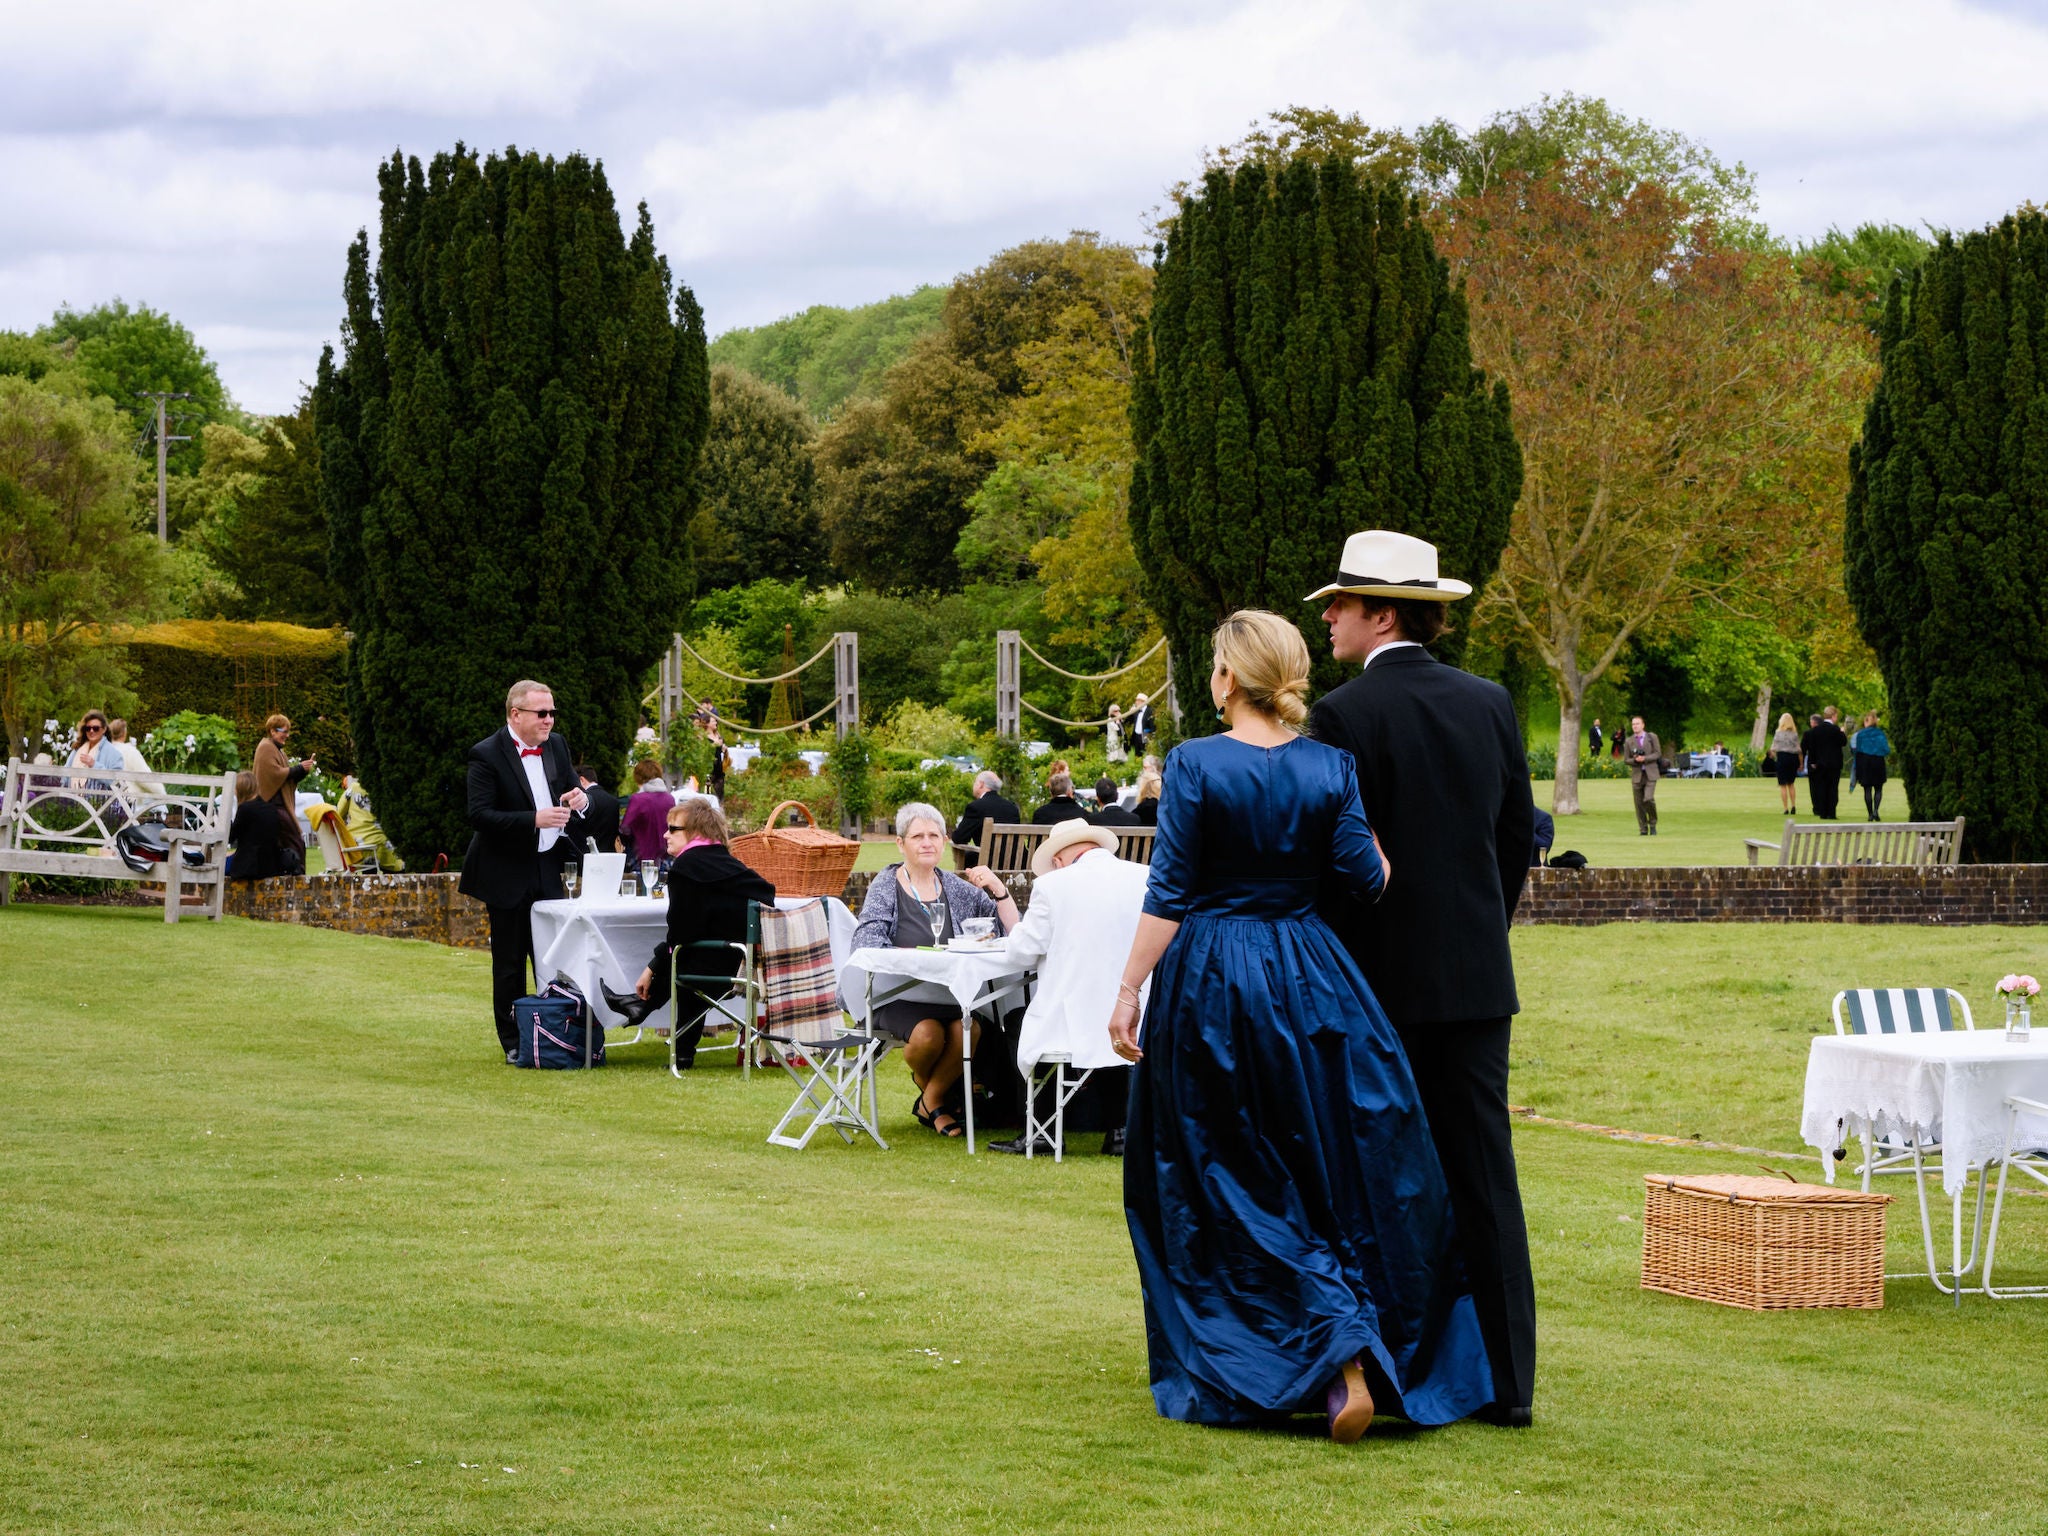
x: 527, y: 809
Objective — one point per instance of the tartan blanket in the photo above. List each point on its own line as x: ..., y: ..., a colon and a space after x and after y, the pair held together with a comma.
x: 799, y: 989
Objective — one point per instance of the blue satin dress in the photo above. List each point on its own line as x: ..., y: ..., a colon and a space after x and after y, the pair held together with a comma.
x: 1284, y: 1197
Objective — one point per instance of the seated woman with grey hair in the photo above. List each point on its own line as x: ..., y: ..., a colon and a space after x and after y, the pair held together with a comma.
x: 912, y: 904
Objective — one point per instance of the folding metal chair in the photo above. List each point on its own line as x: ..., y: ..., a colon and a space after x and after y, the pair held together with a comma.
x: 838, y: 1091
x: 2029, y: 1160
x: 730, y: 999
x: 1898, y: 1011
x: 1055, y: 1128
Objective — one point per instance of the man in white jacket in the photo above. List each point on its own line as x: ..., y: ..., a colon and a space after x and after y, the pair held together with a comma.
x: 1085, y: 905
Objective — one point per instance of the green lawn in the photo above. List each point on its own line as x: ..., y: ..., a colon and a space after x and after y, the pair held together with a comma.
x: 287, y: 1250
x: 1699, y: 821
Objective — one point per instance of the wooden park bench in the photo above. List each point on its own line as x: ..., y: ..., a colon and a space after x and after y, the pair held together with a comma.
x: 56, y: 820
x: 1926, y: 844
x: 1007, y: 849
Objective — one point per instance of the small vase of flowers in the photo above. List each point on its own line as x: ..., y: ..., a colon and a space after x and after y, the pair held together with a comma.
x: 2019, y: 993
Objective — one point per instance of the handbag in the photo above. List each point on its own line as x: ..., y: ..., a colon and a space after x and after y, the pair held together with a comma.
x: 557, y: 1031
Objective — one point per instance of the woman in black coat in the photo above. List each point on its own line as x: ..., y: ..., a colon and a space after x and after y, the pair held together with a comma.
x: 708, y: 892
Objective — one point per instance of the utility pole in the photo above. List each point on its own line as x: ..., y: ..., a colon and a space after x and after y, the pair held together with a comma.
x: 164, y: 439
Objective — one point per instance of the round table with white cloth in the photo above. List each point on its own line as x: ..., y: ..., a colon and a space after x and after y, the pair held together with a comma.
x: 610, y: 938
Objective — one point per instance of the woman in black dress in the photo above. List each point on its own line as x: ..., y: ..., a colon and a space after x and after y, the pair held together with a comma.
x: 708, y: 893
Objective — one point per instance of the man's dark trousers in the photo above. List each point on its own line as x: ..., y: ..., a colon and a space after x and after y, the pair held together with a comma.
x: 1825, y: 786
x: 1461, y: 1074
x: 511, y: 950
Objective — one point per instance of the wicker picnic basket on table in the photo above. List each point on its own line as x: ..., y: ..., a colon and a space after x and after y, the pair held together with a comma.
x: 1762, y: 1243
x: 798, y: 861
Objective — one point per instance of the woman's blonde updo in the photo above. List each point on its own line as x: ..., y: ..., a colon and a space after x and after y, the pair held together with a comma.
x: 1268, y: 661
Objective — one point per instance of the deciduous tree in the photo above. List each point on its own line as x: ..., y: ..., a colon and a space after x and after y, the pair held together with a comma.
x: 72, y: 558
x: 1682, y: 405
x: 758, y: 488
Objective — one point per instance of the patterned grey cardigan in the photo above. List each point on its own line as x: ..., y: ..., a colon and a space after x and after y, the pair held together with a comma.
x: 877, y: 926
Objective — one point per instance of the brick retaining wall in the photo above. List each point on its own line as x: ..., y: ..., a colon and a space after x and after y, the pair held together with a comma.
x: 386, y: 906
x: 1861, y: 893
x: 429, y: 906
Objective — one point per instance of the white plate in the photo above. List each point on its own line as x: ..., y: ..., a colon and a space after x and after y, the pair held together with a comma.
x: 976, y: 946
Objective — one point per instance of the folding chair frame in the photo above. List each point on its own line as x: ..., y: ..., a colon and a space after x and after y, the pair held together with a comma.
x: 1062, y: 1095
x: 735, y: 998
x: 839, y: 1091
x: 1891, y: 1156
x: 2034, y: 1164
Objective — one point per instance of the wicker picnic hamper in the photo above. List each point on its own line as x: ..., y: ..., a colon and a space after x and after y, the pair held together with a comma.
x: 798, y: 861
x: 1762, y: 1243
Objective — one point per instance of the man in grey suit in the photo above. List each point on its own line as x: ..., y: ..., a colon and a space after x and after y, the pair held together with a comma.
x: 1644, y: 754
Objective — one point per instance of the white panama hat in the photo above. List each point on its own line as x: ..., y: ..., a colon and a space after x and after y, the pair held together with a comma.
x: 1380, y: 563
x: 1064, y: 836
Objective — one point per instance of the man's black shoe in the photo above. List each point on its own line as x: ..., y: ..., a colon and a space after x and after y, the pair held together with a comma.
x: 1503, y: 1417
x: 1015, y: 1146
x: 1113, y: 1143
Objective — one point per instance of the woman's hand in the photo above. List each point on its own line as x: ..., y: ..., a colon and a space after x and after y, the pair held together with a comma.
x: 1123, y: 1030
x: 646, y: 980
x: 982, y: 876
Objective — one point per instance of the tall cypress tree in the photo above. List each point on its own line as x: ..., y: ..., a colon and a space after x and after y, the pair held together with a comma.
x: 1306, y: 373
x: 508, y: 458
x: 1946, y: 540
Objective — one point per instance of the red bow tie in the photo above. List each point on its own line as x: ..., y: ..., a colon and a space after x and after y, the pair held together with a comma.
x: 529, y: 751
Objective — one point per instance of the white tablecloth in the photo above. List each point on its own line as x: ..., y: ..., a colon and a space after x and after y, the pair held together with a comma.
x: 611, y: 937
x: 948, y: 975
x: 1948, y: 1087
x: 968, y: 979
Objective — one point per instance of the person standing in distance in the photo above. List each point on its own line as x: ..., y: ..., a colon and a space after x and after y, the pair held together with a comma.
x: 527, y: 809
x: 1644, y: 754
x: 1445, y: 786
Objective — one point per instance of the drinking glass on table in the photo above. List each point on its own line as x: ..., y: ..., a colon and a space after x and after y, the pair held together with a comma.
x: 572, y: 876
x: 649, y: 869
x: 978, y: 930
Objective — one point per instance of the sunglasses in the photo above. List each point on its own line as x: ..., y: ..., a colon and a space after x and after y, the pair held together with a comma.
x: 94, y: 730
x: 545, y: 714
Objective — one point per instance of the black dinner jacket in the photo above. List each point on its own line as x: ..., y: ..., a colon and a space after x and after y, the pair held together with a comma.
x: 601, y: 818
x: 708, y: 892
x: 982, y: 809
x: 504, y: 866
x: 1445, y: 783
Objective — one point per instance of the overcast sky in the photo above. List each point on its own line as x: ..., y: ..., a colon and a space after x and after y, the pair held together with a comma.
x: 214, y: 160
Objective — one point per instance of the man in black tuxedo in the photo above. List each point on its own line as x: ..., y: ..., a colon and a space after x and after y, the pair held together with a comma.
x: 601, y: 820
x: 1445, y: 783
x: 1060, y: 804
x: 1825, y: 746
x: 1108, y: 813
x: 988, y: 805
x: 527, y: 809
x: 1138, y: 724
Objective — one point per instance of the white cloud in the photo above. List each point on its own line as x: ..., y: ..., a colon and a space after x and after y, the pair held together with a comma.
x: 812, y: 151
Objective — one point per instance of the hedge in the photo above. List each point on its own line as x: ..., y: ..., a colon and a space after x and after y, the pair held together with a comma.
x: 244, y: 673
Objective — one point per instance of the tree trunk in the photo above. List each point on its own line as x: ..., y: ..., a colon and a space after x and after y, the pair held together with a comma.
x: 1760, y: 733
x: 1571, y: 705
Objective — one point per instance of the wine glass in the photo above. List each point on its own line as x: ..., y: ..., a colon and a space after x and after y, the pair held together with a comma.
x: 572, y: 876
x: 648, y: 870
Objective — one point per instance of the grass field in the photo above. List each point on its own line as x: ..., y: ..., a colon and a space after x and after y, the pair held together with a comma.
x: 288, y: 1250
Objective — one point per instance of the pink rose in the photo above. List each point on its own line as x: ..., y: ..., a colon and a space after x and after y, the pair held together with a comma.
x: 2008, y: 983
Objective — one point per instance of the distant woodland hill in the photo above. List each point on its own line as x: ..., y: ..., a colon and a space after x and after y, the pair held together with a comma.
x: 826, y: 355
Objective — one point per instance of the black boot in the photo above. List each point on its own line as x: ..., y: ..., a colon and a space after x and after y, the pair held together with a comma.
x: 630, y: 1009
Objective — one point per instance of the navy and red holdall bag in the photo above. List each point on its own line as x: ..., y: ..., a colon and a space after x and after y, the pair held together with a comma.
x: 556, y: 1029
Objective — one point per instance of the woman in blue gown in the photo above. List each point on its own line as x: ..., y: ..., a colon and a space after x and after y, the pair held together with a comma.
x: 1290, y: 1219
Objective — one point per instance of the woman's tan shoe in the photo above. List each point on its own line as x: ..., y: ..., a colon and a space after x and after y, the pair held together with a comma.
x: 1350, y: 1405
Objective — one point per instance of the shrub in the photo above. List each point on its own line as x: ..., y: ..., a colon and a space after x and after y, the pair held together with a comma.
x: 243, y: 673
x: 926, y: 730
x: 190, y: 742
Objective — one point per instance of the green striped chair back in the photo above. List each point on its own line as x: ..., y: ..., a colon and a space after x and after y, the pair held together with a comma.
x: 1900, y: 1011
